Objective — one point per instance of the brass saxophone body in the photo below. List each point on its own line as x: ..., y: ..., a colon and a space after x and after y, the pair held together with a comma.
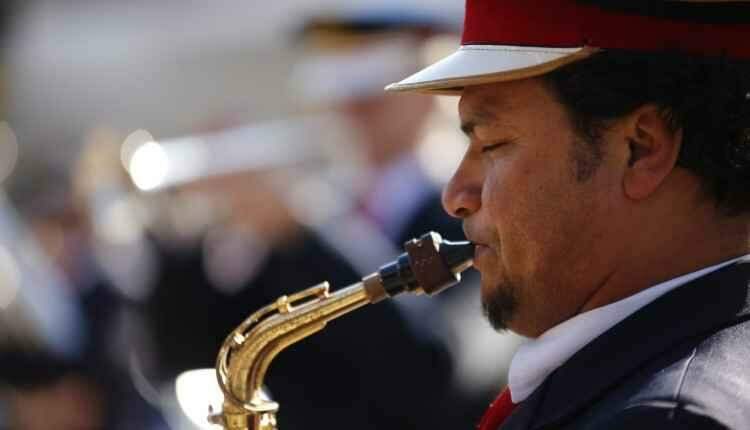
x: 429, y: 265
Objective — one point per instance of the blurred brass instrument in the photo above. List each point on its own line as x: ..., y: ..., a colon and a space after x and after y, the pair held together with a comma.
x: 429, y: 265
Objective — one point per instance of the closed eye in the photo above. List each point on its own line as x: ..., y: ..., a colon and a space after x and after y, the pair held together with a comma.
x: 494, y: 146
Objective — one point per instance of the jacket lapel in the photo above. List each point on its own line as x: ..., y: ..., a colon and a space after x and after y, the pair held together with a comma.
x: 612, y: 356
x: 523, y: 415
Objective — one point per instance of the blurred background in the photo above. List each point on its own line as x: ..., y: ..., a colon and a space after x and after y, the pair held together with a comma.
x: 168, y: 167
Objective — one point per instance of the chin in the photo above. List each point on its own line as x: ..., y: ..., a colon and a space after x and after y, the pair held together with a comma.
x: 499, y: 303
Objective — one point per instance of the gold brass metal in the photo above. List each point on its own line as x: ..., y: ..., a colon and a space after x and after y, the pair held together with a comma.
x: 248, y: 350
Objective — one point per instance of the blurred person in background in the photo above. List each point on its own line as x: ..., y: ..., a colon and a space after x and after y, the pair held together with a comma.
x: 40, y: 380
x: 43, y: 378
x: 88, y: 388
x: 347, y: 372
x: 350, y: 375
x: 345, y: 61
x: 348, y: 59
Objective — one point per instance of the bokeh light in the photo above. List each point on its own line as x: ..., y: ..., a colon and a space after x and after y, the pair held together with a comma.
x: 149, y: 166
x: 131, y: 144
x: 196, y: 391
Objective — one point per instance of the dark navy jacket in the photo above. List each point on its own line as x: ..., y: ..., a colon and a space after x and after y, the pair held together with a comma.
x: 681, y: 362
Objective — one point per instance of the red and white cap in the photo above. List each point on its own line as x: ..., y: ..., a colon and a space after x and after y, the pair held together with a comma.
x: 507, y: 40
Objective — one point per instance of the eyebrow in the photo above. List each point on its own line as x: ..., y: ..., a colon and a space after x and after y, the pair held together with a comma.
x: 476, y: 118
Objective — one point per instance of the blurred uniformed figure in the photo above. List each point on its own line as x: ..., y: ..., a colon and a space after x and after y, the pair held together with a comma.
x: 394, y: 195
x: 383, y: 367
x: 79, y: 370
x: 41, y: 322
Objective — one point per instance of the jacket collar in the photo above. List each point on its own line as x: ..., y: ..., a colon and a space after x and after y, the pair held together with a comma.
x: 707, y: 310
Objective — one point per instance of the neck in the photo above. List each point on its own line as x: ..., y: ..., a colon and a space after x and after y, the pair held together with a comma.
x: 667, y: 252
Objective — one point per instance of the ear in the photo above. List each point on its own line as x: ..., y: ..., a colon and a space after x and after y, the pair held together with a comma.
x: 653, y: 148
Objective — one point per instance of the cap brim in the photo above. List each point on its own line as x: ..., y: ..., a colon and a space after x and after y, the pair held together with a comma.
x: 483, y: 64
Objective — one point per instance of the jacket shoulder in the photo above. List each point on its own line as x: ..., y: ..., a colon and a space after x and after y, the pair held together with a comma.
x: 704, y: 382
x: 661, y: 415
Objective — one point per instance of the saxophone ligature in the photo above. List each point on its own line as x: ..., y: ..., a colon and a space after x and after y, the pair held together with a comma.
x: 429, y: 265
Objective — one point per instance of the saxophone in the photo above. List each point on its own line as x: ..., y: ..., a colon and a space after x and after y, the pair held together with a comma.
x: 429, y: 265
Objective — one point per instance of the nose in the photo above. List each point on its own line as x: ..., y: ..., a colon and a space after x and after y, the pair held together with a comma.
x: 462, y: 196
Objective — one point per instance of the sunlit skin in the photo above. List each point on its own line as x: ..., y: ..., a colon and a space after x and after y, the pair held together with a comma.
x: 558, y: 244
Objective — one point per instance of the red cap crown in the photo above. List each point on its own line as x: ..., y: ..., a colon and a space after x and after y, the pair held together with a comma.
x: 516, y: 39
x: 708, y: 28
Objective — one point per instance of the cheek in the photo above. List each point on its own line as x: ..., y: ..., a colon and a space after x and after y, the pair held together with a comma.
x: 505, y: 197
x: 495, y: 203
x: 508, y: 193
x: 528, y: 203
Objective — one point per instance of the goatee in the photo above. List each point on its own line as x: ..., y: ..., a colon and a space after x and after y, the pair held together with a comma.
x: 500, y: 307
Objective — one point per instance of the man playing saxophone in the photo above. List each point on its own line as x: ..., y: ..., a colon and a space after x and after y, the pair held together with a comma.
x: 606, y: 185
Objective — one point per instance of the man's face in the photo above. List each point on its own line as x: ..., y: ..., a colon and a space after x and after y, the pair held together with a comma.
x: 543, y: 228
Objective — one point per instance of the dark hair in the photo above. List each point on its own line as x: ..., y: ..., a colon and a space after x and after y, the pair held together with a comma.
x: 708, y: 98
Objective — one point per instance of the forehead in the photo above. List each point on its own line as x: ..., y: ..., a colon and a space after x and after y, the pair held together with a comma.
x: 505, y: 102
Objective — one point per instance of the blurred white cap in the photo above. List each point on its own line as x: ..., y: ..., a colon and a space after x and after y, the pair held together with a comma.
x: 356, y: 54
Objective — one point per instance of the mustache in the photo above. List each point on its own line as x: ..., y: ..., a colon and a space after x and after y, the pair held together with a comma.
x: 474, y: 235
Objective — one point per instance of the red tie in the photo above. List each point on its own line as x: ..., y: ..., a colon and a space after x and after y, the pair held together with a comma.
x: 498, y: 411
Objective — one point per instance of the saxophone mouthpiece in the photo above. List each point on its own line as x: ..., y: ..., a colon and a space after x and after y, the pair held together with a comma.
x: 459, y: 256
x: 429, y: 265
